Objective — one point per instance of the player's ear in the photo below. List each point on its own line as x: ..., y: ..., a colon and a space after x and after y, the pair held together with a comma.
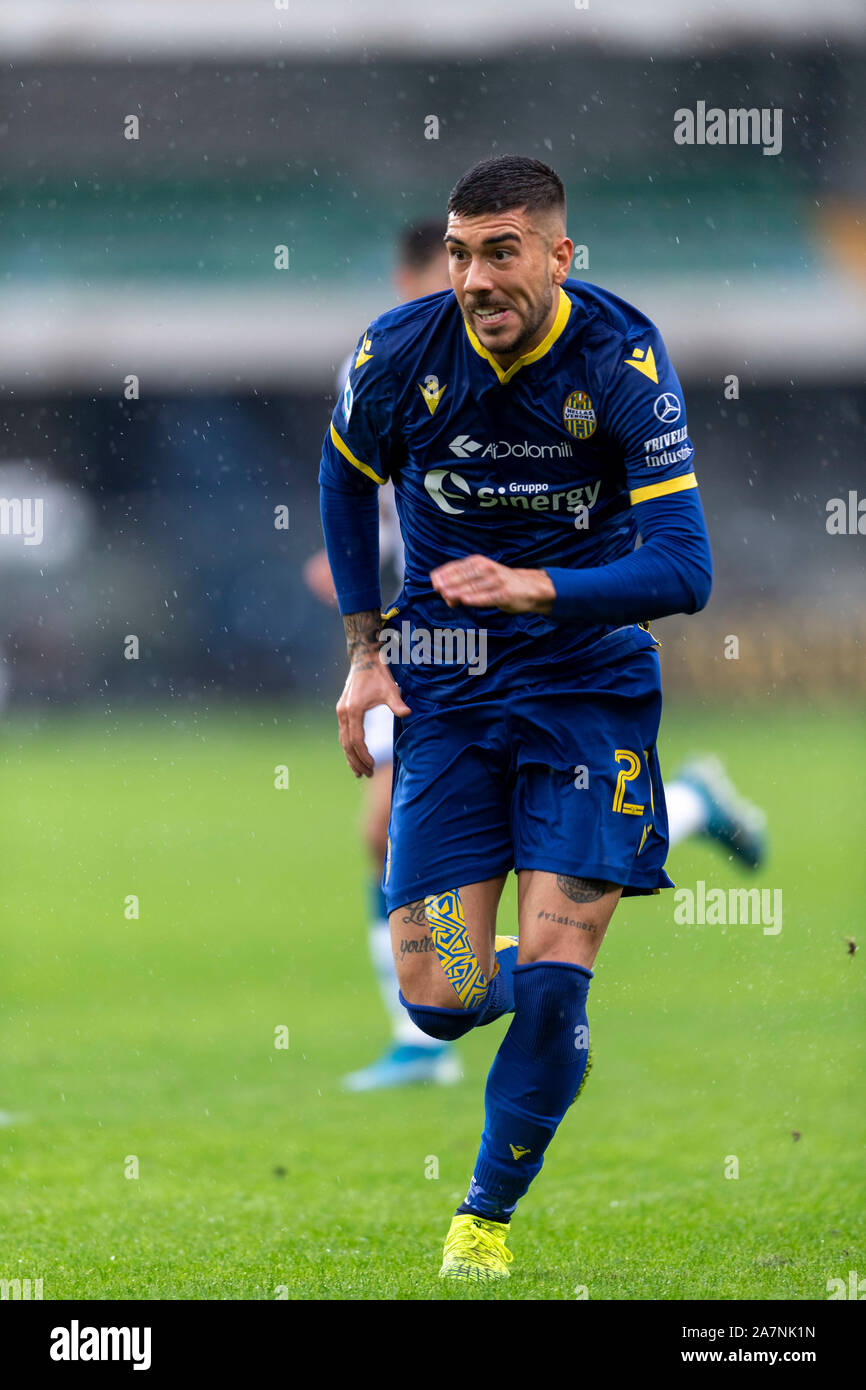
x: 563, y: 254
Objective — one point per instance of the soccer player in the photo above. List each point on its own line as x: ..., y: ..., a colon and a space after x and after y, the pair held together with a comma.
x: 532, y: 426
x: 700, y: 799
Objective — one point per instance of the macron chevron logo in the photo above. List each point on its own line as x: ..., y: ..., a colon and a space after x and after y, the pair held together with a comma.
x: 463, y: 446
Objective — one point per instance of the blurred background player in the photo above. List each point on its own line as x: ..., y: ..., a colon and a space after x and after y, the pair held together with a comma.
x: 701, y: 800
x: 422, y: 268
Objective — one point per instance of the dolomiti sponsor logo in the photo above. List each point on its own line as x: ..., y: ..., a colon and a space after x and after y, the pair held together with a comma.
x: 463, y: 447
x: 452, y: 493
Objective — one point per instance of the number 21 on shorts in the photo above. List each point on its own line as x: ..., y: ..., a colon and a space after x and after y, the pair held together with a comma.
x: 630, y: 767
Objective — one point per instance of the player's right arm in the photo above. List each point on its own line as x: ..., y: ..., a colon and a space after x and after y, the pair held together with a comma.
x: 369, y: 683
x: 356, y: 458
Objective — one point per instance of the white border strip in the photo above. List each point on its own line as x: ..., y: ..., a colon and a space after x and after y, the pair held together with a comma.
x: 812, y: 330
x: 231, y: 29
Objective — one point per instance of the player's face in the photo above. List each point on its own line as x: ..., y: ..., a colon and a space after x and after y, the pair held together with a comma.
x: 504, y: 268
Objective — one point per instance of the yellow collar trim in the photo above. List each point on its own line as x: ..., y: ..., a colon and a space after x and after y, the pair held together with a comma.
x: 506, y: 373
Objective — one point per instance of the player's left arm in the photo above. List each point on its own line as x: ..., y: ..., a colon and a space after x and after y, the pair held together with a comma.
x: 671, y: 572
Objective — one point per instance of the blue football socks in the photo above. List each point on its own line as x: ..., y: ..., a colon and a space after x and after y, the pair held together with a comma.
x: 534, y: 1079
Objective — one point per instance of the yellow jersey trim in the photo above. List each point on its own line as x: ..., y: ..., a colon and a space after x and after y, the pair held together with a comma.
x: 356, y: 462
x: 643, y: 494
x: 506, y: 373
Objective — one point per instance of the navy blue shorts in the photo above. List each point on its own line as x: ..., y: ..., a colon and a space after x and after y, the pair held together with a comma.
x: 565, y: 780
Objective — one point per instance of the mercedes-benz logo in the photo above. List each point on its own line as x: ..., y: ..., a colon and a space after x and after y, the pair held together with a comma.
x: 667, y: 408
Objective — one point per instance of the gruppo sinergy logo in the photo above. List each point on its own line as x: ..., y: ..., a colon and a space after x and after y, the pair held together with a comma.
x: 452, y: 493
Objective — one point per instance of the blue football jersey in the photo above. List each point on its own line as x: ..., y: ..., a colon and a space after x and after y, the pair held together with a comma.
x: 535, y: 465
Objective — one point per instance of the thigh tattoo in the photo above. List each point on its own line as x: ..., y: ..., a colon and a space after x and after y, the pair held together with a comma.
x: 414, y: 914
x: 583, y: 890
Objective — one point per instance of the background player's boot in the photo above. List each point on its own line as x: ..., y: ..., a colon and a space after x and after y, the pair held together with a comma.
x: 476, y: 1249
x: 404, y: 1064
x: 585, y: 1076
x: 732, y: 821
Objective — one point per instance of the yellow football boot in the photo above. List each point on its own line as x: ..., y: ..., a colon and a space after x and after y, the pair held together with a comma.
x: 476, y: 1249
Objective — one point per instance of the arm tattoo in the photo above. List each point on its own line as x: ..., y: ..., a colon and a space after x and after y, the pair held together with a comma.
x: 583, y: 890
x: 362, y: 637
x: 414, y: 914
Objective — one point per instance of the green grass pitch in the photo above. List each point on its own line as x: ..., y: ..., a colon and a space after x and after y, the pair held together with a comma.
x: 154, y: 1039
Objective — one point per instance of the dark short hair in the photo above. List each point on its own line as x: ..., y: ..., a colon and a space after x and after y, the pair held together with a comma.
x: 507, y: 181
x: 419, y: 243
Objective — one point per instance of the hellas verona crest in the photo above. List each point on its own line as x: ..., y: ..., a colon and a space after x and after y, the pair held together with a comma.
x: 578, y: 415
